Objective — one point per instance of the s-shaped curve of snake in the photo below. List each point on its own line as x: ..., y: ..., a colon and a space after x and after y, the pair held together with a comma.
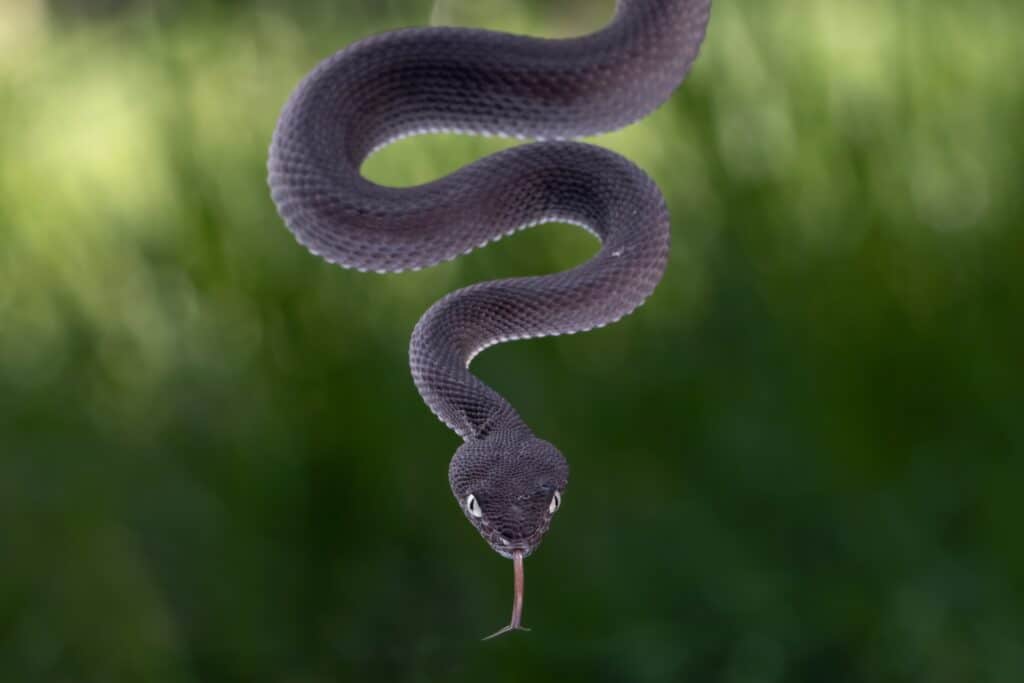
x: 507, y: 481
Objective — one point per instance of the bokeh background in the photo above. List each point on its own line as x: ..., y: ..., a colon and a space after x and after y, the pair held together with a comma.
x: 800, y: 461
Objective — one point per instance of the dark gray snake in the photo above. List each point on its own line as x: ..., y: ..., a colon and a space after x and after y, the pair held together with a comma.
x: 507, y: 481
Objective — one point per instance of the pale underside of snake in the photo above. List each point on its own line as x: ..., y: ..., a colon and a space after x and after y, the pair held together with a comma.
x: 507, y: 481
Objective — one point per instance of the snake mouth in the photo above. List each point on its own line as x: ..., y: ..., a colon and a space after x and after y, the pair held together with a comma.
x: 508, y: 547
x: 509, y: 551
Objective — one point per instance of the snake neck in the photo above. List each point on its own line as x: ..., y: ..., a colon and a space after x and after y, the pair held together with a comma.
x: 440, y: 351
x: 459, y: 399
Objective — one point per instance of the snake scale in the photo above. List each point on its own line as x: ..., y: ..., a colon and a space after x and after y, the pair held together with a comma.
x: 507, y: 481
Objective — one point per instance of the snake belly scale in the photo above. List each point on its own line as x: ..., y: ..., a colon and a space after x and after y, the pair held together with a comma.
x: 507, y: 481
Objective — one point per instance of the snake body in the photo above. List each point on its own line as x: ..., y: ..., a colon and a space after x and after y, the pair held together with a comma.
x: 507, y: 481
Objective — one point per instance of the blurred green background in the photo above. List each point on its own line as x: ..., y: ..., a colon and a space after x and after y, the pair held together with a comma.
x: 800, y: 461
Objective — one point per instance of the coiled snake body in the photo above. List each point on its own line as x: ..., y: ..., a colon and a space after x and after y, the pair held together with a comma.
x: 507, y: 481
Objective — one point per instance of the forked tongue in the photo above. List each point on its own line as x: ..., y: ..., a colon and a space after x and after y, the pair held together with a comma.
x: 517, y: 600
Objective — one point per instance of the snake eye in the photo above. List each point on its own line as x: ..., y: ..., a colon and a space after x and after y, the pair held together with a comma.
x: 473, y: 506
x: 556, y: 503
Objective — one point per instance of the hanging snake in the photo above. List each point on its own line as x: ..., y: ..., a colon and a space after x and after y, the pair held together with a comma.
x: 507, y: 481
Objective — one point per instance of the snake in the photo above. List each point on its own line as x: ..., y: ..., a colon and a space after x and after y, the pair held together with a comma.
x: 436, y: 79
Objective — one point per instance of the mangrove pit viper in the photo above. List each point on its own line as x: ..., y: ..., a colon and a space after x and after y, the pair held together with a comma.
x: 507, y: 481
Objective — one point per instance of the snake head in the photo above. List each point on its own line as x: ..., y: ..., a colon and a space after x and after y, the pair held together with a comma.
x: 509, y: 485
